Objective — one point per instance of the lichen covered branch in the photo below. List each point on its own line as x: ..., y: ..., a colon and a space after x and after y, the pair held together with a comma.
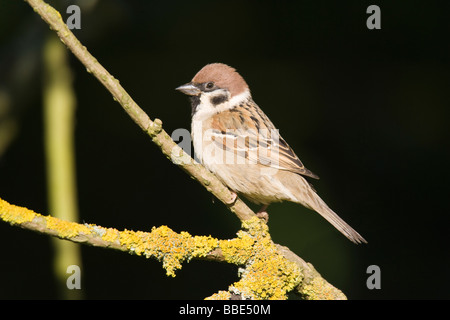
x: 268, y: 271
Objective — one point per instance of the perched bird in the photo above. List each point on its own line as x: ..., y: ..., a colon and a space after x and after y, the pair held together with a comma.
x: 235, y: 140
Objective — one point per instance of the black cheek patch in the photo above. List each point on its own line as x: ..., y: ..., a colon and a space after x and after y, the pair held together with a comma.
x: 218, y: 99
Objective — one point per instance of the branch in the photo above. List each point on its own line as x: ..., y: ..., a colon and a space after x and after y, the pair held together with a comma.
x: 59, y: 104
x: 271, y: 271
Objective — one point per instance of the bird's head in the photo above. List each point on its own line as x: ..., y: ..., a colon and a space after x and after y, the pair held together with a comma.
x: 216, y: 87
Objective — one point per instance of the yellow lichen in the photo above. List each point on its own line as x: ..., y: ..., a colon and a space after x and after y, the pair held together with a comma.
x: 268, y: 277
x: 239, y: 250
x: 161, y: 243
x: 14, y: 214
x: 133, y: 241
x: 268, y: 274
x: 203, y: 245
x: 108, y: 234
x: 319, y: 289
x: 19, y: 215
x: 65, y: 229
x: 221, y: 295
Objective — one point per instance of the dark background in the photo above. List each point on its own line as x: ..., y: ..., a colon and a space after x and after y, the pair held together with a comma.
x: 367, y: 110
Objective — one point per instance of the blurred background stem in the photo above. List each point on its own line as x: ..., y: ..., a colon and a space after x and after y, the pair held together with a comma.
x: 59, y: 110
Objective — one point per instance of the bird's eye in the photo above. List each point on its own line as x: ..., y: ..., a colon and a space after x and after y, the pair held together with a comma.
x: 209, y: 85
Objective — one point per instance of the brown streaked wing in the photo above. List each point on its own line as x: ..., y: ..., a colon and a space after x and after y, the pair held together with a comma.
x: 290, y: 162
x: 250, y: 141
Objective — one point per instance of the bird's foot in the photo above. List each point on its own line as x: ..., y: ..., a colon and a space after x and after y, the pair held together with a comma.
x: 262, y: 213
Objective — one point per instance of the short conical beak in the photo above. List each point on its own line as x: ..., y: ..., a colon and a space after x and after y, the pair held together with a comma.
x: 189, y: 89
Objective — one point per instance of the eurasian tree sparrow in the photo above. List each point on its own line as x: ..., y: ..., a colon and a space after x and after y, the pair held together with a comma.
x: 235, y: 140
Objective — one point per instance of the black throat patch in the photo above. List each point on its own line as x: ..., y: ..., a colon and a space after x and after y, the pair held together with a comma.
x: 195, y: 101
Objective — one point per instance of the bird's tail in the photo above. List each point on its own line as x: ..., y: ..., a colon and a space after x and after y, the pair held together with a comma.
x: 317, y: 204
